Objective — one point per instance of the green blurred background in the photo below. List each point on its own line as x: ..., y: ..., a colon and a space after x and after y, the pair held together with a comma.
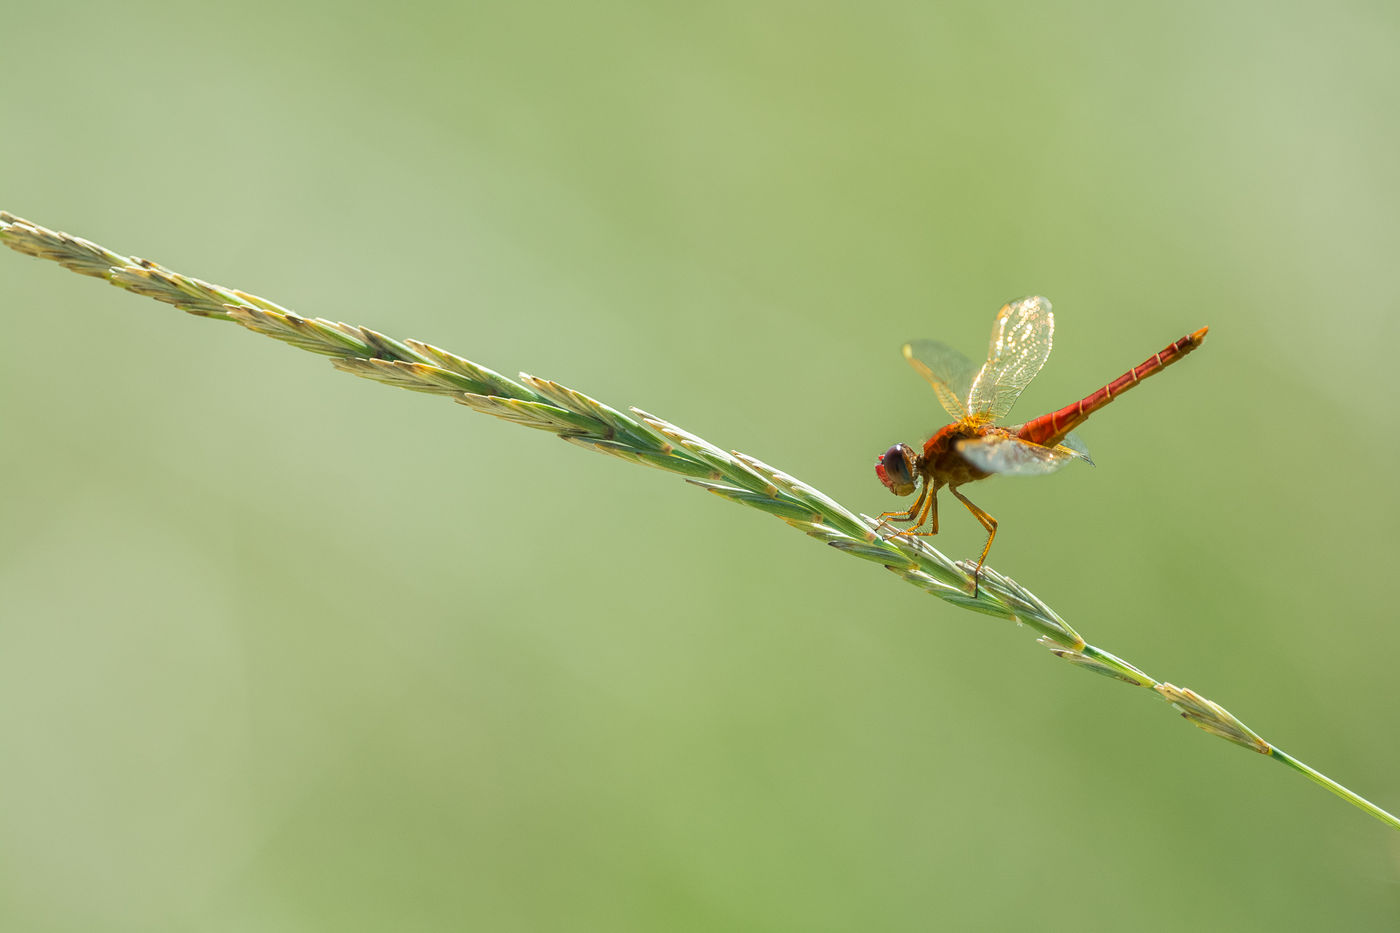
x: 285, y: 651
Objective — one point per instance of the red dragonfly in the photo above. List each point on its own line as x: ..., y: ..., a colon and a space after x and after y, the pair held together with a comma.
x: 975, y: 446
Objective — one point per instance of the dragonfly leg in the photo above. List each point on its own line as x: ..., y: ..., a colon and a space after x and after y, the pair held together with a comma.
x: 988, y: 523
x: 929, y: 514
x: 909, y: 516
x: 925, y: 509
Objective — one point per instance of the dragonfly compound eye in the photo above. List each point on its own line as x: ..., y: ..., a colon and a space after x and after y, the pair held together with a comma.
x: 895, y: 468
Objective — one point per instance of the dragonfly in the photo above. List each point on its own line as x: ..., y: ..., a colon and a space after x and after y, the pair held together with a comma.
x: 975, y: 445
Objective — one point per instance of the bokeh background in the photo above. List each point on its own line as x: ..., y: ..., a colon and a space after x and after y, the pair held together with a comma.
x: 285, y: 651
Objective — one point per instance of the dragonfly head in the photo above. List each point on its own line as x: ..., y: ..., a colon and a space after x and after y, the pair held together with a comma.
x: 896, y: 469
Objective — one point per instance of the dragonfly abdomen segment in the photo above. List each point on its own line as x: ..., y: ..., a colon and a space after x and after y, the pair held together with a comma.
x: 1049, y: 430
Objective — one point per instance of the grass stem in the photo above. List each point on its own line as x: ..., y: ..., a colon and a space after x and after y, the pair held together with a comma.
x: 641, y: 438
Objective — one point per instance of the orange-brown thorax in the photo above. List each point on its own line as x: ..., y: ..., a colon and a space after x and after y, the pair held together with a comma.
x: 942, y: 465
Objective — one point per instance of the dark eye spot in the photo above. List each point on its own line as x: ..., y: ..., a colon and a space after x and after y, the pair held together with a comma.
x: 897, y: 464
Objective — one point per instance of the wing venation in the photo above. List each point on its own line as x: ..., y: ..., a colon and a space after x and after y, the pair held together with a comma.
x: 1020, y: 345
x: 946, y: 369
x: 1009, y: 455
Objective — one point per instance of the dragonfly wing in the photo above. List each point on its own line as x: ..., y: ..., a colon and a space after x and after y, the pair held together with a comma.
x: 1020, y: 346
x: 1006, y: 453
x: 1074, y: 445
x: 948, y: 371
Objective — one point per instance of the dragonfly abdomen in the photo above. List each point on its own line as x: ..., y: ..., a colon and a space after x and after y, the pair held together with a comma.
x: 1049, y: 430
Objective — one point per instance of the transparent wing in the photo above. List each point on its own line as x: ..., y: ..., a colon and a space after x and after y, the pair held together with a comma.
x: 1006, y: 453
x: 948, y: 371
x: 1020, y: 345
x: 1074, y: 444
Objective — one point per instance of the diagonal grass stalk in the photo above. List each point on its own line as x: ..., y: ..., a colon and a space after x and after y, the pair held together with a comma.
x: 638, y: 437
